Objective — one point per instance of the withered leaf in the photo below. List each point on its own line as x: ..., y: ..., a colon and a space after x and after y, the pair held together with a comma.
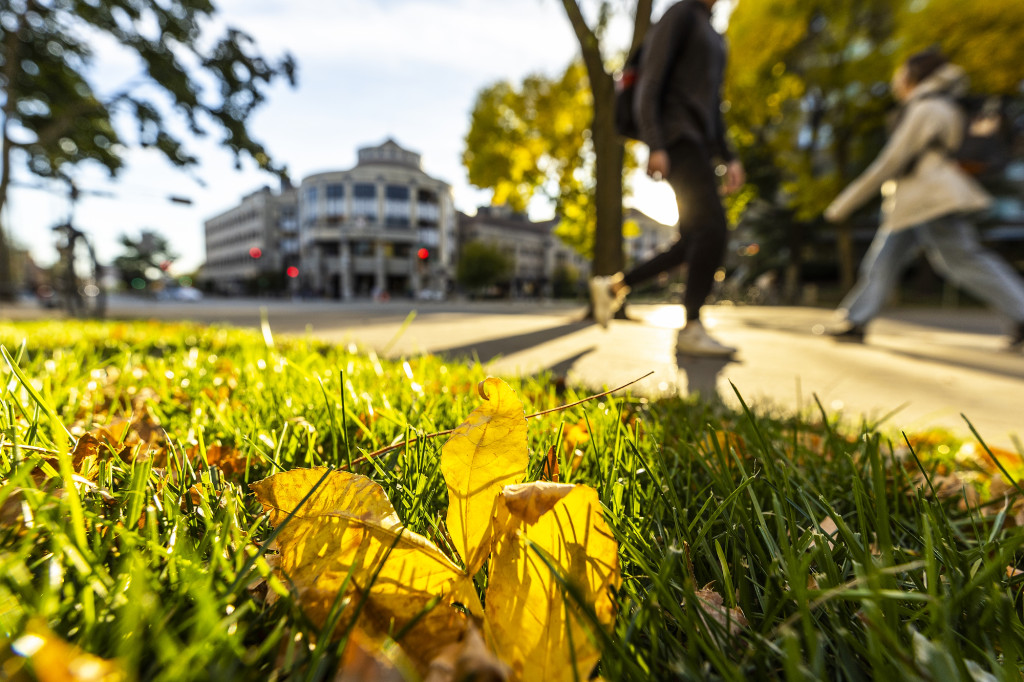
x: 537, y: 627
x: 348, y: 527
x: 713, y: 607
x: 487, y: 452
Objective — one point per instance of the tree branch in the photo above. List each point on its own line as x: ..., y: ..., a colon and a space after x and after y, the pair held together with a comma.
x: 589, y: 44
x: 641, y: 23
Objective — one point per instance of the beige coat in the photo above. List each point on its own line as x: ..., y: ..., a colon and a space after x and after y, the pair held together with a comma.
x: 936, y: 186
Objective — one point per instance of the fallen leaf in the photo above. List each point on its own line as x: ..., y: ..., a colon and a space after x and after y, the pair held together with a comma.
x: 550, y: 472
x: 712, y: 606
x: 575, y: 434
x: 348, y: 526
x: 364, y: 661
x: 54, y: 660
x: 469, y: 659
x: 537, y: 627
x: 228, y: 459
x: 485, y: 453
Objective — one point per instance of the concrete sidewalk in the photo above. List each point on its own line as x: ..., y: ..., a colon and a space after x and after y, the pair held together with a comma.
x: 920, y: 369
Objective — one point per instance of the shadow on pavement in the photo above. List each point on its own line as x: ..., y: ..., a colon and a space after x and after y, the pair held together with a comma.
x: 560, y: 369
x: 702, y: 374
x: 998, y: 363
x: 485, y: 351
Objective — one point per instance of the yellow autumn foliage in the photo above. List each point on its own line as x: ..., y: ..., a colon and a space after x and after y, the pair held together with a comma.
x: 550, y: 534
x: 552, y: 556
x: 346, y: 540
x: 487, y: 452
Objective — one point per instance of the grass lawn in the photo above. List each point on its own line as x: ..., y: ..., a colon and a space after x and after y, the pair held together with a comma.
x: 751, y: 546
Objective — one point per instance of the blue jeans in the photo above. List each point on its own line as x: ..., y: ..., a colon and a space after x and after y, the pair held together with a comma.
x: 952, y: 247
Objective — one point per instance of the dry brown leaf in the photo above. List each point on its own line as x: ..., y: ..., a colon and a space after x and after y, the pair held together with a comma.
x: 469, y: 659
x: 364, y: 661
x: 536, y: 626
x: 550, y: 472
x: 12, y: 508
x: 712, y: 605
x: 485, y: 453
x: 348, y: 526
x: 226, y: 458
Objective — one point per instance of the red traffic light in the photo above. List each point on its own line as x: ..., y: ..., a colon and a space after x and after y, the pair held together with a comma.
x: 255, y: 252
x: 423, y: 253
x: 292, y: 272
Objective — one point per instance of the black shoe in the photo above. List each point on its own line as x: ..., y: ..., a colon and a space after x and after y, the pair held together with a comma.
x: 853, y: 333
x: 1017, y: 340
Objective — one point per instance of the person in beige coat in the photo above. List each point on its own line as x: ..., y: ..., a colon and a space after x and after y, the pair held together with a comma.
x: 927, y: 201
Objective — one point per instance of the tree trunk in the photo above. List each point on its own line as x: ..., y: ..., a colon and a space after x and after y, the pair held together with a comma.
x: 609, y: 151
x: 11, y: 50
x: 609, y: 148
x: 7, y: 288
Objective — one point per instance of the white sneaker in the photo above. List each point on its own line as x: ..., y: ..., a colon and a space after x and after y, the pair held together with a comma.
x: 693, y: 340
x: 603, y: 301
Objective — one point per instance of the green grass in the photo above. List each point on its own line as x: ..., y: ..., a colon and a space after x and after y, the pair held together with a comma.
x: 150, y: 559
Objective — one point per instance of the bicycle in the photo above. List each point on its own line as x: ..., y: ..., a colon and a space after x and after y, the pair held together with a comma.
x: 77, y: 274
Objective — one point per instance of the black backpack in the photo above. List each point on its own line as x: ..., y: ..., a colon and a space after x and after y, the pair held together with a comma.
x: 988, y: 137
x: 626, y: 82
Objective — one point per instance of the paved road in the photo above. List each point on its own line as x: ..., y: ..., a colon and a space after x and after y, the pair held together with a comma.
x: 919, y: 369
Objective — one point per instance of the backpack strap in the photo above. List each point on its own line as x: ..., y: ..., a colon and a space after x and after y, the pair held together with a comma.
x: 933, y: 145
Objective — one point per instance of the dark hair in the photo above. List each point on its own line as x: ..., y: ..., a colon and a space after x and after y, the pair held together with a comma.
x: 923, y: 64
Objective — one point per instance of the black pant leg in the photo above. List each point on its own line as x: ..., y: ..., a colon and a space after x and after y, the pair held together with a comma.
x: 703, y: 228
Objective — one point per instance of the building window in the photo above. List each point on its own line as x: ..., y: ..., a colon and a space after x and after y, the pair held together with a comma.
x: 335, y: 203
x: 362, y: 248
x: 428, y: 211
x: 364, y: 201
x: 309, y: 206
x: 288, y: 221
x: 396, y: 206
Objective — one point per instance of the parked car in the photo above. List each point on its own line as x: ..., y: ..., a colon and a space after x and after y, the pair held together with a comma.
x: 179, y: 294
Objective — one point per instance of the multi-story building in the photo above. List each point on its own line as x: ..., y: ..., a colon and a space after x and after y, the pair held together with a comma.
x: 251, y: 246
x: 537, y: 257
x: 382, y: 226
x: 644, y: 237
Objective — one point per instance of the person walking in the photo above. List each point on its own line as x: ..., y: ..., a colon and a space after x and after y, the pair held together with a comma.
x: 678, y: 106
x: 927, y: 199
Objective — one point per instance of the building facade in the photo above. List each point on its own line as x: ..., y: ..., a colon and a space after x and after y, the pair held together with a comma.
x: 540, y: 261
x: 250, y: 247
x: 382, y: 227
x: 643, y: 237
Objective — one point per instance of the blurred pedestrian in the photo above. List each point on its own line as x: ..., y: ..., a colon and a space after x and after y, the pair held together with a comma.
x: 927, y: 201
x: 679, y: 110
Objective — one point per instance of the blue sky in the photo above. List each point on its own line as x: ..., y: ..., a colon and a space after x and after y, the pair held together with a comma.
x: 368, y: 70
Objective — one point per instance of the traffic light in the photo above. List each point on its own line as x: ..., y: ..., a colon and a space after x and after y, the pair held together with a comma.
x: 292, y: 272
x: 255, y: 252
x: 423, y: 253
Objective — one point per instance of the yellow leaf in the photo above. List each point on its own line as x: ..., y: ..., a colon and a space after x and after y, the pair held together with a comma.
x: 487, y: 452
x: 536, y: 625
x: 54, y: 660
x: 348, y: 526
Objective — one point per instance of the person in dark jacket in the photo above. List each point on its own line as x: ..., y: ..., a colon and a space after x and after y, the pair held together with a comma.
x: 678, y: 106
